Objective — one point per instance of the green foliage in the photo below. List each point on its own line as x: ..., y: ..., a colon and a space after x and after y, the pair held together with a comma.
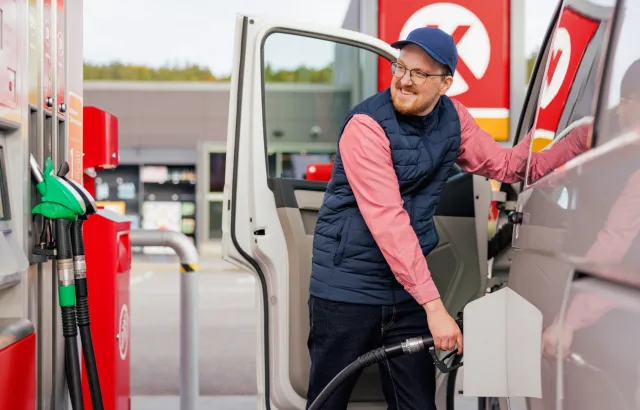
x: 130, y: 72
x: 300, y: 75
x: 194, y: 72
x: 531, y: 61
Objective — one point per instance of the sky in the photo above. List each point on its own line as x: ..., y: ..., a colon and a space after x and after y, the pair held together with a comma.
x: 159, y: 32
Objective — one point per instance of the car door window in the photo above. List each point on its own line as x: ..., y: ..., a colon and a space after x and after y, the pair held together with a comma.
x: 310, y: 84
x: 619, y: 106
x: 568, y: 90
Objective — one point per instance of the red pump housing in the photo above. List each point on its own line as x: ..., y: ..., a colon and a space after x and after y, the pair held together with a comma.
x: 108, y: 258
x: 100, y: 144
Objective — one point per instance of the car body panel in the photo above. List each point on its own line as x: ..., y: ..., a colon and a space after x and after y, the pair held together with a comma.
x: 574, y: 254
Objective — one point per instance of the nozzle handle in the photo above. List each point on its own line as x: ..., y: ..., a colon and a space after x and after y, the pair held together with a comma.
x: 63, y: 170
x: 36, y: 172
x: 440, y: 363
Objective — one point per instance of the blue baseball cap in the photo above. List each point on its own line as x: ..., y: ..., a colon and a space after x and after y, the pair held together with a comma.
x: 438, y: 44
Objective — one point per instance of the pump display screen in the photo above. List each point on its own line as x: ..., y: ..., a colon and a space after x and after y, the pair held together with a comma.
x: 4, y: 197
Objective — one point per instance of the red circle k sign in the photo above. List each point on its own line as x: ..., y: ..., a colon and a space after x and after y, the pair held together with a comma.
x: 481, y: 33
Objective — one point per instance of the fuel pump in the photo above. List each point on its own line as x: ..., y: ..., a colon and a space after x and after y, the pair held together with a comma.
x: 61, y: 205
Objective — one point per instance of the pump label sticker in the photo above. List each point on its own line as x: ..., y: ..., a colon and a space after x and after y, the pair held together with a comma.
x: 75, y: 154
x: 123, y: 332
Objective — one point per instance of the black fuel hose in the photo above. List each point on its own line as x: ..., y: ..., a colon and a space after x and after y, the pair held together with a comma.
x: 77, y: 240
x: 67, y: 300
x: 84, y: 322
x: 409, y: 346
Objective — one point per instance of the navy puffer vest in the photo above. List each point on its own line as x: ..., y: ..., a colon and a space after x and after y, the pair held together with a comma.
x: 347, y: 265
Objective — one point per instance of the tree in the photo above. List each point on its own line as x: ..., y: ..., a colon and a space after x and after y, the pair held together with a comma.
x: 192, y: 72
x: 531, y: 62
x: 300, y: 75
x: 130, y: 72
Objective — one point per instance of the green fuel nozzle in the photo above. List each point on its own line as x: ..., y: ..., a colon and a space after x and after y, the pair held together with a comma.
x: 59, y: 199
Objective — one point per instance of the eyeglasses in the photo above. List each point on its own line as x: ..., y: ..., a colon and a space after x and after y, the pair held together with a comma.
x: 417, y: 77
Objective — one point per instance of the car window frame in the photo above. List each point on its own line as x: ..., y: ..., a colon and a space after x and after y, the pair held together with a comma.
x: 530, y: 103
x: 582, y: 76
x: 613, y: 35
x: 280, y: 30
x: 605, y: 45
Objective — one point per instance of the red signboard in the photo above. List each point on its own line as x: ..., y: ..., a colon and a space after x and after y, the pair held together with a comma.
x: 571, y: 37
x: 481, y: 33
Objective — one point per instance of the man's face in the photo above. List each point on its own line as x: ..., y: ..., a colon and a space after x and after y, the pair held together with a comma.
x: 417, y: 97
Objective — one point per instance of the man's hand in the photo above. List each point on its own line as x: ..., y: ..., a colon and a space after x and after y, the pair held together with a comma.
x: 551, y: 337
x: 444, y: 329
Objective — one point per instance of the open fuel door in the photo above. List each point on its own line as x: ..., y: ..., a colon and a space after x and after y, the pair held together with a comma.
x: 291, y: 88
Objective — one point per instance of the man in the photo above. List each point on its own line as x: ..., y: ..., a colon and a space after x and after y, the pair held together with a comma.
x: 370, y: 284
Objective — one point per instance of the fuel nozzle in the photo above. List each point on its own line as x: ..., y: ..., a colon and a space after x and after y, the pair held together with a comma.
x: 58, y: 201
x: 411, y: 346
x: 88, y: 200
x: 417, y: 344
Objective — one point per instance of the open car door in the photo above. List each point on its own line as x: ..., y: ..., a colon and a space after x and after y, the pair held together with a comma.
x: 291, y: 87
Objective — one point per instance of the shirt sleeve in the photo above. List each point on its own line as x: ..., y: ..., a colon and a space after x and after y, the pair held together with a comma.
x: 572, y: 145
x: 366, y: 157
x: 480, y: 154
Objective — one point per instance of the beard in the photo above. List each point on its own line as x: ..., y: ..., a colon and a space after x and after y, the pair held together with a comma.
x: 414, y: 104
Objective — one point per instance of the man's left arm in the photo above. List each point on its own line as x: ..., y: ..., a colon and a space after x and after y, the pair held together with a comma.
x: 480, y: 154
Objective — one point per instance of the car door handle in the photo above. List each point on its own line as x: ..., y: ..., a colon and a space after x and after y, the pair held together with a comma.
x: 516, y: 217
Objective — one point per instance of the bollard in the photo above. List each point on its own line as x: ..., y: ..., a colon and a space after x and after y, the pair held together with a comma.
x: 189, y: 334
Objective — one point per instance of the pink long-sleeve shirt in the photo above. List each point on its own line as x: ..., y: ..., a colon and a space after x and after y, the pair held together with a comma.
x: 366, y: 157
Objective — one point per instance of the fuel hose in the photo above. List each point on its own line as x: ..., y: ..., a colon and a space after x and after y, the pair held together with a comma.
x: 408, y: 346
x: 67, y: 300
x: 82, y: 291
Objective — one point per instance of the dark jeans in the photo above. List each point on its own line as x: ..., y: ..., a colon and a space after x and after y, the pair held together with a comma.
x: 340, y: 332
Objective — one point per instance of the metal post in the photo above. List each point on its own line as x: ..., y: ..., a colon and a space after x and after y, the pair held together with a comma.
x: 189, y: 335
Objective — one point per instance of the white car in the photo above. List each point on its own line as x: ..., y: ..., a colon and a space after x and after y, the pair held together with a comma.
x: 268, y: 221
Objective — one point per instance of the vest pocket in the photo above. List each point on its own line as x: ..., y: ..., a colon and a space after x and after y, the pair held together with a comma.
x: 342, y: 242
